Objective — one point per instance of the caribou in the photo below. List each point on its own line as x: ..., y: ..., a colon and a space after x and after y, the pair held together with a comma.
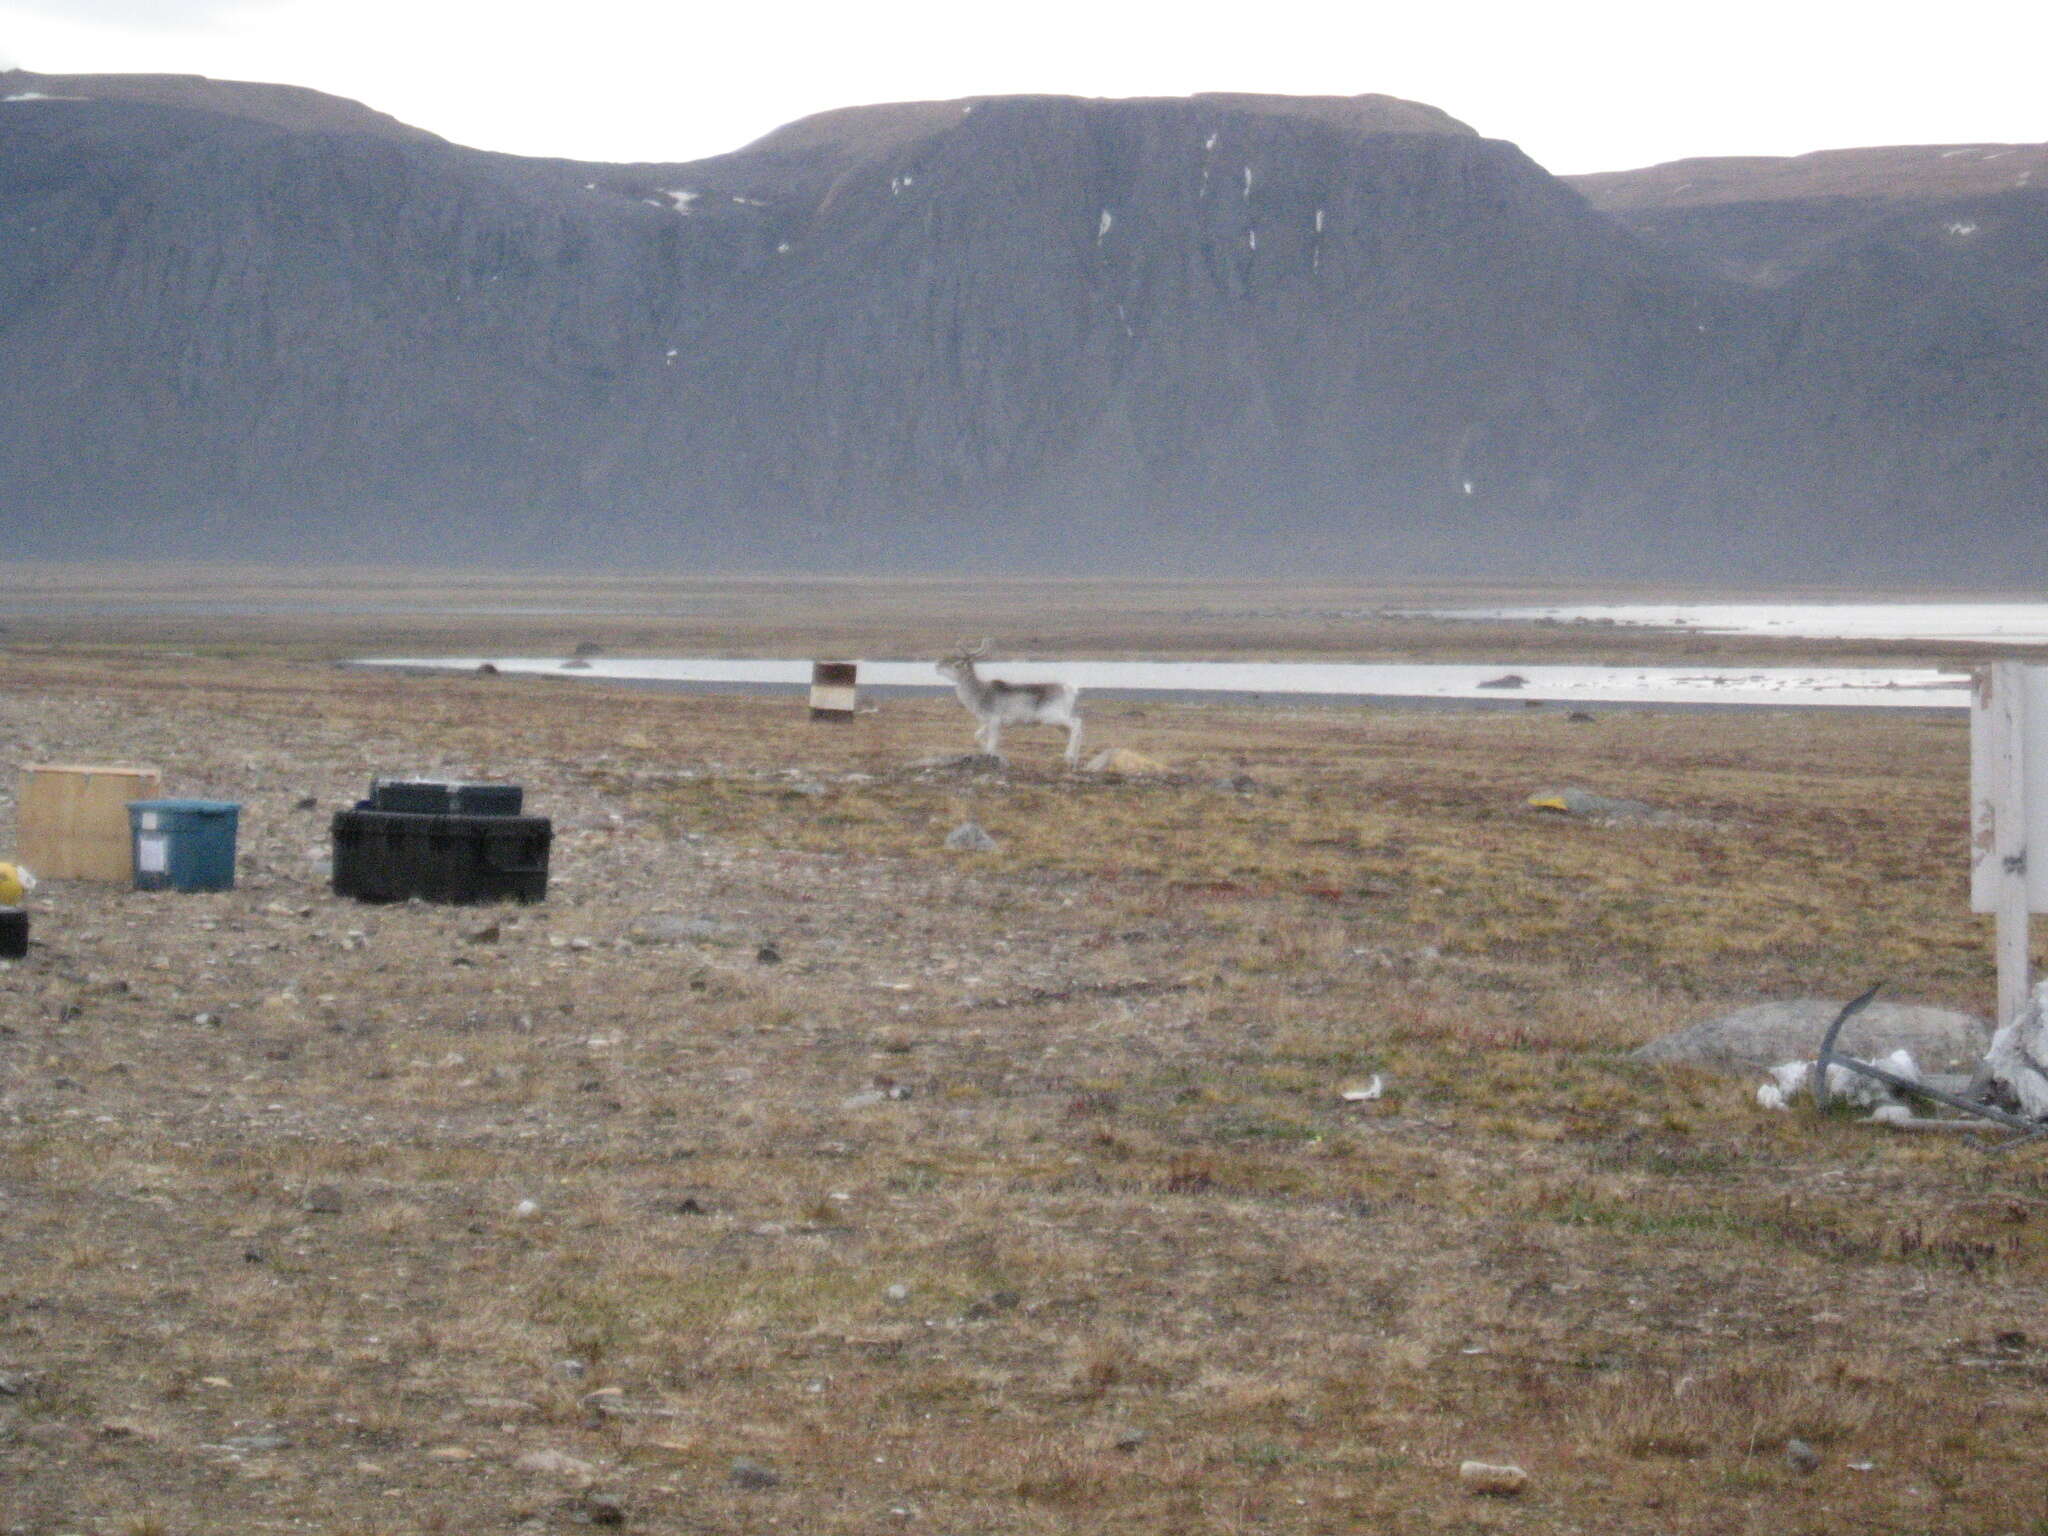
x: 996, y: 703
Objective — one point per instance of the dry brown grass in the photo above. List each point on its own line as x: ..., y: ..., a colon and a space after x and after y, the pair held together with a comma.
x: 1157, y: 1275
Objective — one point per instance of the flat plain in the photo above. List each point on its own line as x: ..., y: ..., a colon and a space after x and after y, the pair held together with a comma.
x: 788, y: 1170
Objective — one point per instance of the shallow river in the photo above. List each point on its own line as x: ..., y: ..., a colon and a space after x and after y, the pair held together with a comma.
x: 1298, y: 682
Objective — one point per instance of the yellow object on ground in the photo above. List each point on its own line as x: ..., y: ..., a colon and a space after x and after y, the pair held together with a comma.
x: 15, y: 883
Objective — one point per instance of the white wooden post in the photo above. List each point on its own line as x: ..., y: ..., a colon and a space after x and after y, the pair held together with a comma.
x: 2002, y: 881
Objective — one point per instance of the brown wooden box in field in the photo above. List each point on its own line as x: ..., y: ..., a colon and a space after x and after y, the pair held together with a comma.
x: 74, y: 819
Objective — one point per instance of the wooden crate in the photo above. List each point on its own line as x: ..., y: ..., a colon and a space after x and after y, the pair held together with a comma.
x: 74, y: 819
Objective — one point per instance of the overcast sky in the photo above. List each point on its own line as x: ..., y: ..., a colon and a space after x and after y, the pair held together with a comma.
x: 1580, y: 86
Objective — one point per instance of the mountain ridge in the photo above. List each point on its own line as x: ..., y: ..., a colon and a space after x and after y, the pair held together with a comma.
x: 1218, y: 332
x: 284, y: 106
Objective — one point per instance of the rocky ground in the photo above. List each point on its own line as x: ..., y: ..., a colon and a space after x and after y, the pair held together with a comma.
x: 787, y: 1169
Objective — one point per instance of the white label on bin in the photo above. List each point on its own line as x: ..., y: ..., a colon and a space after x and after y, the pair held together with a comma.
x: 149, y: 821
x: 152, y: 855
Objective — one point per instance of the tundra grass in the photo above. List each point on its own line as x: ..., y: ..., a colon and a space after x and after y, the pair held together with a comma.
x: 1011, y: 1191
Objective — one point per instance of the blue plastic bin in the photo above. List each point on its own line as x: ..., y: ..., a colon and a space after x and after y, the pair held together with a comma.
x: 183, y: 845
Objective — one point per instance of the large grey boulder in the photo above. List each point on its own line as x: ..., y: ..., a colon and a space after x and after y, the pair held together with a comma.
x: 1760, y: 1037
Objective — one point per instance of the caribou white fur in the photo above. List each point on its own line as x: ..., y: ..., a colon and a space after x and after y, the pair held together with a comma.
x: 996, y: 703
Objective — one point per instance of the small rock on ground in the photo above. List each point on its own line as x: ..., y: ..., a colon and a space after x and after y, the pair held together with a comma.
x: 1486, y: 1477
x: 552, y: 1463
x: 747, y: 1473
x: 968, y: 837
x: 257, y: 1444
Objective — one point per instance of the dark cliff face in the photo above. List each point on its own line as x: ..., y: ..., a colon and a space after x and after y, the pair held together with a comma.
x: 1893, y: 383
x: 1222, y: 333
x: 255, y: 334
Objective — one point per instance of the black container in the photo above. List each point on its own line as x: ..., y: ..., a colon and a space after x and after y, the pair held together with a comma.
x: 13, y: 933
x: 397, y: 855
x: 418, y: 797
x: 437, y: 797
x: 489, y: 799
